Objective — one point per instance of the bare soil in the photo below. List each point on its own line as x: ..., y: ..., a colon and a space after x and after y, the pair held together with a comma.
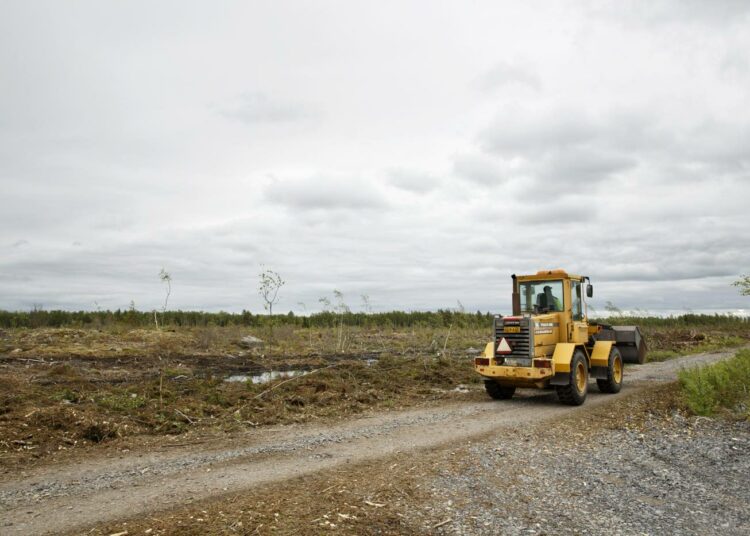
x: 244, y: 472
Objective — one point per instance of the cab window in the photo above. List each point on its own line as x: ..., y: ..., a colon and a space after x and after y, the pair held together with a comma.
x: 541, y: 296
x: 576, y: 299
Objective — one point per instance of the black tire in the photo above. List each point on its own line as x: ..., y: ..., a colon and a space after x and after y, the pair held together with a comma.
x: 497, y: 391
x: 613, y: 382
x: 574, y: 394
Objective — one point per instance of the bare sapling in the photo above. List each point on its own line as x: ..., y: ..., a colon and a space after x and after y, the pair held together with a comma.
x: 341, y: 308
x: 268, y: 287
x: 165, y: 278
x: 366, y: 306
x: 445, y: 344
x: 326, y: 304
x: 368, y: 310
x: 309, y: 327
x: 612, y: 309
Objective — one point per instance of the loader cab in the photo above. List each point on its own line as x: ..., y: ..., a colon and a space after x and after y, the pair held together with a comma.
x: 558, y: 294
x: 552, y: 291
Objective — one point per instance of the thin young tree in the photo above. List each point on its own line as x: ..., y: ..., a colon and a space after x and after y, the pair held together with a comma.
x: 165, y: 278
x: 342, y: 309
x: 339, y: 309
x: 366, y: 306
x: 743, y: 284
x: 270, y: 282
x: 309, y: 327
x: 612, y: 309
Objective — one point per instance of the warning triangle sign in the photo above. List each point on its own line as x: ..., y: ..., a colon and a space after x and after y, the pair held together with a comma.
x: 503, y: 347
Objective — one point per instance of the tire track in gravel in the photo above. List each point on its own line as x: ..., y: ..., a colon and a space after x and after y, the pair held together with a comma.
x: 58, y: 499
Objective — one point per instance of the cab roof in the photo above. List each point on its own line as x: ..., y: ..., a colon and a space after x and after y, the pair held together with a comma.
x: 549, y: 274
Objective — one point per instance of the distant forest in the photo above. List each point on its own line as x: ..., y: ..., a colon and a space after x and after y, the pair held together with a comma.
x: 393, y: 319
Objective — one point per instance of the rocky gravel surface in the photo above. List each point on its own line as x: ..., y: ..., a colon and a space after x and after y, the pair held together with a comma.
x: 115, y: 474
x: 118, y: 473
x: 672, y: 475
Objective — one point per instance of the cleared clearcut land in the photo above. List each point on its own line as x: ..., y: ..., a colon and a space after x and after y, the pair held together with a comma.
x: 117, y: 484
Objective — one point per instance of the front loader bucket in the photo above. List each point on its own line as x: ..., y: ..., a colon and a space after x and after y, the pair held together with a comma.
x: 631, y: 344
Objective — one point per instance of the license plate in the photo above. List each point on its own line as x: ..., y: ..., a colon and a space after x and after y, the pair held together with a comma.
x: 512, y: 329
x: 510, y: 363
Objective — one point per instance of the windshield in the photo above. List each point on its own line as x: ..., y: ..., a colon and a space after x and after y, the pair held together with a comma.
x: 541, y: 296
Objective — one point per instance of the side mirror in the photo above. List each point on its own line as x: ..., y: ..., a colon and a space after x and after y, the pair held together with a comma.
x: 590, y: 290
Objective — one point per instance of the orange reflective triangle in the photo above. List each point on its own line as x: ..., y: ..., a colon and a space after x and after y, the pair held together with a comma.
x: 503, y: 347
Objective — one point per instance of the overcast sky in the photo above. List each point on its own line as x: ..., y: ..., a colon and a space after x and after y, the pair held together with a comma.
x: 416, y: 152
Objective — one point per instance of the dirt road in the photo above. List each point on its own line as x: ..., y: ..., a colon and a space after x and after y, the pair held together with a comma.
x: 72, y: 497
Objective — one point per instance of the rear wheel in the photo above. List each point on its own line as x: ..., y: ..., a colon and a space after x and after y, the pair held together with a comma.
x: 613, y: 382
x: 574, y: 394
x: 497, y: 391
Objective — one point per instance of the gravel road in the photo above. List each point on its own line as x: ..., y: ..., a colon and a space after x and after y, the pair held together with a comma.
x: 678, y: 476
x: 66, y: 498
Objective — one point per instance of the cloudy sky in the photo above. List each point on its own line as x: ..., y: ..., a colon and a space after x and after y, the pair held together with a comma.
x: 416, y: 152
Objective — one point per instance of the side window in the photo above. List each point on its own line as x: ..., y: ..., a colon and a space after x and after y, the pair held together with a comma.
x: 577, y: 305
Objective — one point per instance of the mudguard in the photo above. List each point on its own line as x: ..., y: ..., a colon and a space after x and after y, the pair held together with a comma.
x: 562, y: 357
x: 600, y: 353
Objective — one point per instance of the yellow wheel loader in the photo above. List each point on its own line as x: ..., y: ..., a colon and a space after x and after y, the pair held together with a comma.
x: 548, y: 342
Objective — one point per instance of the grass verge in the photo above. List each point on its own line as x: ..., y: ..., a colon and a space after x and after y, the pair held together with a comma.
x: 721, y: 386
x: 712, y: 344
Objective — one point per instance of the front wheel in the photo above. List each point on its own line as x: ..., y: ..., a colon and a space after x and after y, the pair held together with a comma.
x: 497, y: 391
x: 613, y: 382
x: 574, y: 394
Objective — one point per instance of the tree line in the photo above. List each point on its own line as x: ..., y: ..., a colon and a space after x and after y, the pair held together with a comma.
x: 37, y: 318
x: 141, y: 319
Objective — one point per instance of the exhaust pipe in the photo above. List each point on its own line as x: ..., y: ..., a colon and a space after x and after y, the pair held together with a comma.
x: 516, y: 297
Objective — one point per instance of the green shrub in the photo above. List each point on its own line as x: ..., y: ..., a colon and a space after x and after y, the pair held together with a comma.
x: 67, y: 394
x: 661, y: 355
x: 121, y: 401
x: 721, y: 385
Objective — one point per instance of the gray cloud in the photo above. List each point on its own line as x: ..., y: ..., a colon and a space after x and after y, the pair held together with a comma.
x: 324, y: 193
x: 519, y: 133
x: 413, y: 181
x: 578, y: 170
x: 564, y: 150
x: 546, y: 211
x: 505, y: 74
x: 255, y: 108
x: 660, y: 12
x: 482, y: 168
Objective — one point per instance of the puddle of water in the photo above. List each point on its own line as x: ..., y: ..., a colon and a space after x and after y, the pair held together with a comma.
x: 271, y: 375
x: 266, y: 377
